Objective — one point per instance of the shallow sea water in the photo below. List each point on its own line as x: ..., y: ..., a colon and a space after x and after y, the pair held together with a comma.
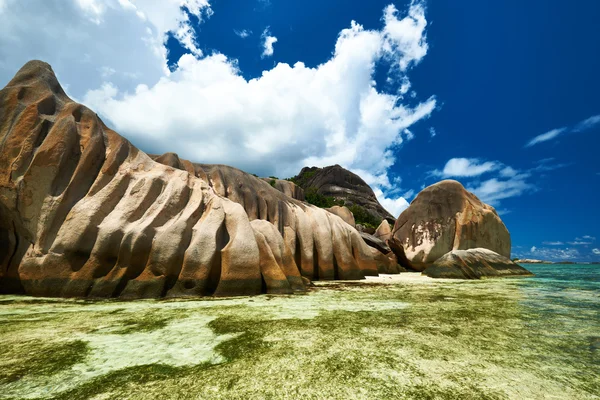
x: 514, y: 338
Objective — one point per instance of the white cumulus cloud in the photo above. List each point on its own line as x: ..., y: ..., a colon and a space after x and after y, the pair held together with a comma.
x: 394, y: 205
x: 502, y: 181
x: 596, y: 251
x: 82, y: 39
x: 268, y: 42
x: 289, y: 117
x: 111, y: 55
x: 465, y: 167
x: 406, y: 35
x: 492, y: 191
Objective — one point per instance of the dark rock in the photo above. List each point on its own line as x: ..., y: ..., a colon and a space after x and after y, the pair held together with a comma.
x: 342, y: 184
x: 474, y: 264
x: 398, y: 250
x: 375, y: 242
x: 366, y: 229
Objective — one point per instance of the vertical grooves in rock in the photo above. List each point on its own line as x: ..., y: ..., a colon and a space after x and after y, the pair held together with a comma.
x: 45, y: 127
x: 315, y: 272
x: 218, y: 182
x: 87, y: 240
x: 142, y: 241
x: 298, y: 253
x: 336, y: 272
x: 113, y: 161
x: 133, y: 258
x: 69, y: 159
x: 156, y: 188
x: 12, y: 283
x: 173, y: 274
x: 174, y: 204
x: 281, y: 215
x: 81, y: 181
x: 12, y: 121
x: 23, y: 162
x: 263, y: 209
x: 9, y: 259
x: 214, y: 275
x: 106, y: 260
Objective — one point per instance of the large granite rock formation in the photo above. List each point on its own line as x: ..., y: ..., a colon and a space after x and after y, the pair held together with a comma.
x: 344, y: 213
x: 261, y: 202
x: 445, y: 217
x: 375, y: 242
x: 286, y: 187
x: 85, y: 213
x: 342, y: 184
x: 474, y: 264
x: 384, y: 231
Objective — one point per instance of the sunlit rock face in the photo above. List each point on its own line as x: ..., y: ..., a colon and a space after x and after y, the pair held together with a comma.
x: 85, y: 213
x: 344, y: 213
x: 445, y: 217
x: 288, y: 188
x: 261, y: 201
x: 384, y: 231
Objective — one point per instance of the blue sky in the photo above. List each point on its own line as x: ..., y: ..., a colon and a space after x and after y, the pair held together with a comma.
x: 501, y: 96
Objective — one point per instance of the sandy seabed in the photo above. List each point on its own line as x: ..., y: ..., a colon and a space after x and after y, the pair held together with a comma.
x: 394, y: 336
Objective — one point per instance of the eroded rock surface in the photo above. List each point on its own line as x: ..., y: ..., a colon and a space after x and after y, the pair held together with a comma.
x: 85, y: 213
x: 344, y: 213
x: 288, y: 188
x: 474, y: 264
x: 445, y: 217
x: 384, y: 231
x: 375, y: 242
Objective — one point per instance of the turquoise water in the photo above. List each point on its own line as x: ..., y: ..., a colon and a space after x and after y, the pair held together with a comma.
x: 562, y: 302
x: 515, y: 338
x: 566, y: 276
x: 574, y: 286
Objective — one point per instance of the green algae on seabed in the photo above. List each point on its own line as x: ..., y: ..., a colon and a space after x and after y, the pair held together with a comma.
x: 490, y: 339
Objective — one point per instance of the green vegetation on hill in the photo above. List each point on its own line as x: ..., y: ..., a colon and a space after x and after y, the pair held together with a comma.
x: 363, y: 217
x: 315, y: 198
x: 302, y: 179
